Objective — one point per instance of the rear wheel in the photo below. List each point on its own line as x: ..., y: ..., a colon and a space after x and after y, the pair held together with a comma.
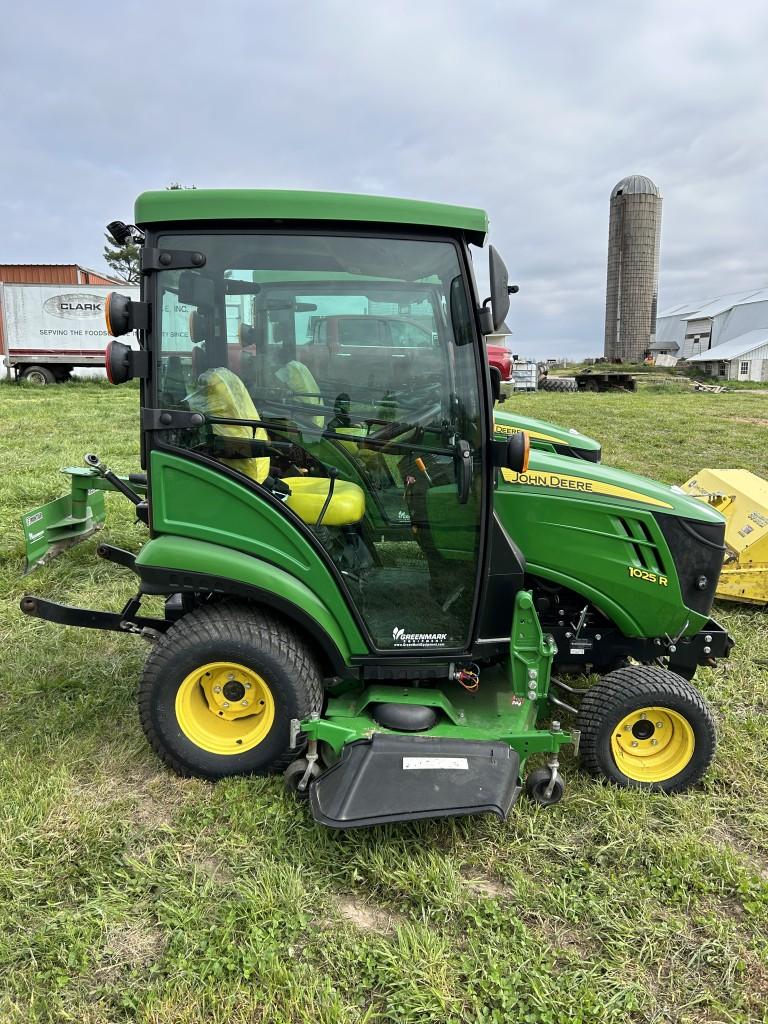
x: 219, y: 691
x: 39, y: 375
x: 648, y: 728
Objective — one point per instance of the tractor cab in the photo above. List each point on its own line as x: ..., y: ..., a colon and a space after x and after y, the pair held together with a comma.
x: 335, y: 371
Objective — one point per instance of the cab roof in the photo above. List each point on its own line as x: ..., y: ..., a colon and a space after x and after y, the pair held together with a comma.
x: 281, y: 204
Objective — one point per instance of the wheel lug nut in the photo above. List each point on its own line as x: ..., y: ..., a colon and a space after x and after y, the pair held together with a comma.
x: 247, y: 686
x: 217, y: 689
x: 659, y: 725
x: 225, y: 705
x: 654, y: 743
x: 643, y: 717
x: 231, y: 675
x: 627, y: 728
x: 244, y: 703
x: 634, y: 743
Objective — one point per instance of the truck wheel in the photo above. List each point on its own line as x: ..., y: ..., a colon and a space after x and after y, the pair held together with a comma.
x: 38, y: 375
x: 495, y: 384
x: 220, y: 688
x: 647, y: 728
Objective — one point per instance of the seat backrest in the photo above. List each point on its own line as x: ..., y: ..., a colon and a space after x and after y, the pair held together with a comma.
x: 299, y: 379
x: 220, y: 392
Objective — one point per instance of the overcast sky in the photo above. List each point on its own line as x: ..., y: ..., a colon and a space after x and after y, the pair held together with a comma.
x: 531, y: 110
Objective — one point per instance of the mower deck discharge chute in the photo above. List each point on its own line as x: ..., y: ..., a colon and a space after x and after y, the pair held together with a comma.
x: 371, y: 582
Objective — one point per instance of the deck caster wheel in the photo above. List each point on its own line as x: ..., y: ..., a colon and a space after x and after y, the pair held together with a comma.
x: 540, y: 788
x: 294, y: 775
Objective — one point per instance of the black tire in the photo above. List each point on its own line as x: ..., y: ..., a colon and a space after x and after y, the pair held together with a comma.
x: 39, y: 375
x: 627, y: 690
x: 294, y: 773
x: 537, y: 784
x: 247, y: 636
x: 495, y: 384
x: 558, y: 384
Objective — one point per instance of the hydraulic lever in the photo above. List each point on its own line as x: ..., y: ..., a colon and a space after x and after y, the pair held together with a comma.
x: 95, y: 463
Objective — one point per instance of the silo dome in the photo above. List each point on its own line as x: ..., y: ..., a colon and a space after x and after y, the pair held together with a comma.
x: 634, y: 185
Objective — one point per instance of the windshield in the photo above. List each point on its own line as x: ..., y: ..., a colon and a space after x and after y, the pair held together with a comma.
x: 337, y: 357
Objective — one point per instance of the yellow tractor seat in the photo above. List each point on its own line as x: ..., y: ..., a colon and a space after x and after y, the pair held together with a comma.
x: 299, y: 379
x: 309, y: 493
x: 220, y: 392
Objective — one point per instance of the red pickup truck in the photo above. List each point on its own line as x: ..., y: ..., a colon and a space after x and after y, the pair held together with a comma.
x: 500, y: 362
x: 386, y: 344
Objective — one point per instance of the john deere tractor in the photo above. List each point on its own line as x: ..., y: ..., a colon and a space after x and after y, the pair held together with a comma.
x: 370, y: 584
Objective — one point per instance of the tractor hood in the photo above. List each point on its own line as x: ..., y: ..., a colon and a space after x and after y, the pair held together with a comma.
x: 547, y: 436
x: 560, y: 475
x: 646, y: 554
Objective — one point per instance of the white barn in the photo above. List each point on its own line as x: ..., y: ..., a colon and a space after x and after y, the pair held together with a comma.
x: 727, y: 336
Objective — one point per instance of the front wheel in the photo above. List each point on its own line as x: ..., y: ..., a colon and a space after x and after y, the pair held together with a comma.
x: 220, y: 688
x: 648, y: 728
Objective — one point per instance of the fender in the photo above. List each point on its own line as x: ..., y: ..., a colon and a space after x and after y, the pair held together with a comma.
x: 181, y: 564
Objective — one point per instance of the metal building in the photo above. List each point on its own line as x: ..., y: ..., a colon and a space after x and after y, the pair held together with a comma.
x: 634, y: 234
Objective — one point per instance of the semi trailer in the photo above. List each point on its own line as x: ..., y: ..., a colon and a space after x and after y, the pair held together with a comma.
x: 50, y: 329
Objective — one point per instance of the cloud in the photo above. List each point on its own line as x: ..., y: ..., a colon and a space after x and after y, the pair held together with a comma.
x: 532, y: 111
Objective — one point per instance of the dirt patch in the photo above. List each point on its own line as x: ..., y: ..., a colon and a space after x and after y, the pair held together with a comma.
x: 367, y: 917
x: 214, y: 869
x: 149, y: 798
x: 565, y: 937
x: 131, y: 945
x: 749, y: 419
x: 488, y: 887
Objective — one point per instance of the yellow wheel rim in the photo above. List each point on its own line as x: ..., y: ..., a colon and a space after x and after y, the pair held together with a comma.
x: 225, y: 708
x: 652, y: 744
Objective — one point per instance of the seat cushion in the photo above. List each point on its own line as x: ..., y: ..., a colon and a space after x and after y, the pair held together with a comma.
x: 308, y: 494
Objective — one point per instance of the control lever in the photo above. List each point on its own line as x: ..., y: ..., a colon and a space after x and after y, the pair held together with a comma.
x: 95, y: 463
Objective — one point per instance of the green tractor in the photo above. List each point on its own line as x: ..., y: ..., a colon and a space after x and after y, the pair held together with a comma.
x: 370, y: 582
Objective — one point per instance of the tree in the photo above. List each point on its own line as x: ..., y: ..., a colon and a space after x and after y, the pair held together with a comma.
x: 123, y: 260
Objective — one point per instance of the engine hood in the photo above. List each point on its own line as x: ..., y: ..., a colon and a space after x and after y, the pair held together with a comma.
x: 567, y: 476
x: 547, y: 436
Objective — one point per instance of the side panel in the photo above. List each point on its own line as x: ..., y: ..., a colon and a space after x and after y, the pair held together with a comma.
x: 190, y: 500
x: 594, y: 530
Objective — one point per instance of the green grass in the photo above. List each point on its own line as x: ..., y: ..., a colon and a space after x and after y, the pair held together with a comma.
x: 128, y: 894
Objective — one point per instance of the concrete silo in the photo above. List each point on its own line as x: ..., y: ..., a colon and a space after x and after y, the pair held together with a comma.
x: 634, y: 233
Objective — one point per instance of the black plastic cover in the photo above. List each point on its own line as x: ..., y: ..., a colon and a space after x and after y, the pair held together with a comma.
x: 403, y: 778
x: 698, y: 550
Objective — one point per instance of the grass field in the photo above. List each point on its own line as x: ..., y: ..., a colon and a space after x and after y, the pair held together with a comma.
x: 128, y: 894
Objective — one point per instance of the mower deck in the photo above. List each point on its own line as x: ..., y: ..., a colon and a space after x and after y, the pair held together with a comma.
x: 402, y: 778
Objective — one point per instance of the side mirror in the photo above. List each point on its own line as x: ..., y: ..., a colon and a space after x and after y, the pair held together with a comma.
x: 493, y: 319
x: 196, y: 290
x: 123, y: 363
x: 499, y: 277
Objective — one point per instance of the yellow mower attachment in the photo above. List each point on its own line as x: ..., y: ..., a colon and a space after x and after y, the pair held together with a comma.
x: 742, y: 498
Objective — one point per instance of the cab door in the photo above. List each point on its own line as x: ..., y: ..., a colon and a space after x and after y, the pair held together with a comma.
x: 399, y: 457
